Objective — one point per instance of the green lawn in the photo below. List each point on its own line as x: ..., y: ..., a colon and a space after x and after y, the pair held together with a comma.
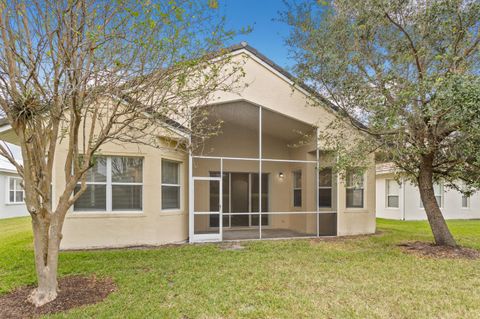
x: 353, y: 278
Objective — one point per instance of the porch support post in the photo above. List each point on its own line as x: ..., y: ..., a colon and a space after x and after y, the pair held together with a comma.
x: 260, y: 171
x: 338, y: 197
x: 190, y: 193
x: 317, y: 170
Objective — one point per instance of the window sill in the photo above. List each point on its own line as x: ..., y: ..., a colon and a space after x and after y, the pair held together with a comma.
x: 103, y: 214
x: 168, y: 212
x: 356, y: 210
x: 14, y: 204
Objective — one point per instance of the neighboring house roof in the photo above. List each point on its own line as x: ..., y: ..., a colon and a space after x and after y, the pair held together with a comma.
x: 6, y: 166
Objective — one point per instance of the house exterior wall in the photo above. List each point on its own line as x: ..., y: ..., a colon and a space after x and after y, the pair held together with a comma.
x: 9, y: 210
x: 296, y: 104
x: 273, y: 91
x: 410, y: 208
x: 355, y: 221
x: 152, y: 226
x: 382, y: 210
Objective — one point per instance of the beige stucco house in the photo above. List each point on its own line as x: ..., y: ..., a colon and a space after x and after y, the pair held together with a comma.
x: 253, y: 180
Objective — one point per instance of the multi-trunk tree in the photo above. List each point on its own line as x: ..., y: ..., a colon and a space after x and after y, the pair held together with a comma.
x: 405, y: 73
x: 85, y: 73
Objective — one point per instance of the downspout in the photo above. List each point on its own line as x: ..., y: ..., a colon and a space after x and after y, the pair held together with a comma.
x: 403, y: 198
x: 338, y: 199
x: 317, y: 172
x: 190, y: 191
x: 260, y: 155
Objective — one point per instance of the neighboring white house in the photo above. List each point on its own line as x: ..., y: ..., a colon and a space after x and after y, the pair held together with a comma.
x: 11, y: 192
x: 396, y: 200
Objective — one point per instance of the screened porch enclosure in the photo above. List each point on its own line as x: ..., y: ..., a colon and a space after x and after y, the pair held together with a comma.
x: 261, y: 176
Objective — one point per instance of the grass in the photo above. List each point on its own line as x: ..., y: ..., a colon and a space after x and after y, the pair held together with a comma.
x: 366, y: 277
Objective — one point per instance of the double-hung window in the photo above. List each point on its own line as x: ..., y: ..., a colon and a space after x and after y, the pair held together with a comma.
x: 355, y: 190
x: 438, y: 189
x: 325, y: 187
x: 114, y: 183
x: 465, y: 201
x: 171, y: 187
x: 465, y: 198
x: 126, y: 183
x: 297, y: 188
x: 393, y: 191
x: 15, y: 190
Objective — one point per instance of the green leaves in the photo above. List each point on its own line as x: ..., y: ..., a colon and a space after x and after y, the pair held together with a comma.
x: 408, y: 72
x: 133, y: 13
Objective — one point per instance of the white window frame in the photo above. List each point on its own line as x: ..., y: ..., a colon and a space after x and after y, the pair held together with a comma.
x: 296, y: 188
x: 108, y: 191
x: 326, y: 187
x: 179, y: 185
x: 354, y: 208
x: 15, y: 202
x: 388, y: 194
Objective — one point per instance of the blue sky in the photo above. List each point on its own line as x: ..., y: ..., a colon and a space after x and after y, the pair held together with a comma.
x: 268, y: 36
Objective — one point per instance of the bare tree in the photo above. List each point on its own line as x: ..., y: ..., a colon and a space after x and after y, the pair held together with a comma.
x: 86, y: 73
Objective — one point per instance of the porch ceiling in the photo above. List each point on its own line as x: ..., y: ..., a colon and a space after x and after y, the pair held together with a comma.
x: 245, y: 114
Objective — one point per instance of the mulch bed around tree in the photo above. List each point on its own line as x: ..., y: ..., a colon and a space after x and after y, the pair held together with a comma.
x: 424, y: 249
x: 75, y: 291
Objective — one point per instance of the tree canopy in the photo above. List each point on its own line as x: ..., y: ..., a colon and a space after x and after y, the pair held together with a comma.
x: 406, y: 73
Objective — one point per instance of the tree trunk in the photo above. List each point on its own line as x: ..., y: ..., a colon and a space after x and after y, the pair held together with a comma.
x: 46, y: 246
x: 439, y: 227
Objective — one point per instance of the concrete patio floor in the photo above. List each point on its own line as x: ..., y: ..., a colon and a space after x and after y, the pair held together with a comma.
x: 253, y: 233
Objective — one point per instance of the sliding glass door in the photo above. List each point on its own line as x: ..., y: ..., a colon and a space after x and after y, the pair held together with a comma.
x: 254, y: 199
x: 240, y: 199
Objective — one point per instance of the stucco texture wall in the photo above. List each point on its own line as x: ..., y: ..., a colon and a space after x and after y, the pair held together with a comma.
x: 152, y: 226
